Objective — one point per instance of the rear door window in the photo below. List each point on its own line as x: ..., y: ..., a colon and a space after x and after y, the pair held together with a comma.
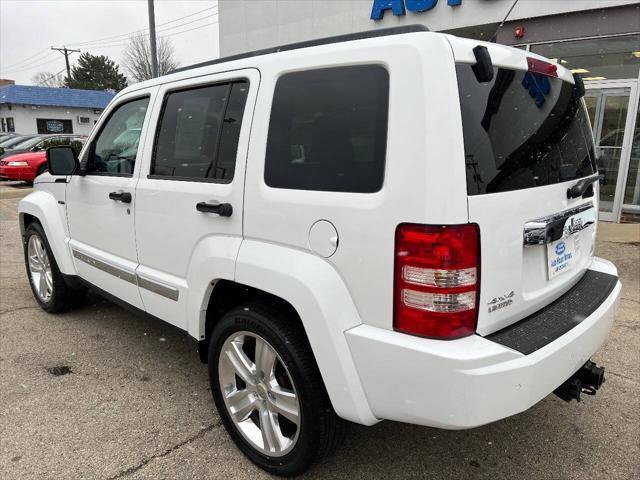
x: 328, y: 130
x: 197, y: 138
x: 522, y: 130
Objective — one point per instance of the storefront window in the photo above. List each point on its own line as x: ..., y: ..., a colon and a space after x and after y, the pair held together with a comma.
x: 632, y: 190
x: 598, y: 58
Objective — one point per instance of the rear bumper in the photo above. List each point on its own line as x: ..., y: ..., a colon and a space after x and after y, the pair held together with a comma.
x: 471, y: 381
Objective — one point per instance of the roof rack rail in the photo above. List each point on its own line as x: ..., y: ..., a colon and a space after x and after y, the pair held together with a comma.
x: 379, y: 32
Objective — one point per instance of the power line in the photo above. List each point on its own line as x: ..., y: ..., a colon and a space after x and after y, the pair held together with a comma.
x: 143, y: 30
x: 124, y: 41
x: 29, y: 67
x: 52, y: 76
x: 120, y: 44
x: 46, y: 51
x: 22, y: 64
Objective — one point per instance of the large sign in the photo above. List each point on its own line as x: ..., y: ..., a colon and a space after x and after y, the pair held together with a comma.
x: 399, y: 7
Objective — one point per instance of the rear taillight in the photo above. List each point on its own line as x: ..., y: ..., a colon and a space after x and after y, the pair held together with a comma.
x: 437, y: 280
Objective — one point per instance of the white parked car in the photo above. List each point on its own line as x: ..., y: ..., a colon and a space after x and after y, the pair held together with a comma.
x: 391, y: 225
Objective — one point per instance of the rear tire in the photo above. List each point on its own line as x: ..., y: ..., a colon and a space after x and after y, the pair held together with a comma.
x: 47, y: 283
x: 300, y: 426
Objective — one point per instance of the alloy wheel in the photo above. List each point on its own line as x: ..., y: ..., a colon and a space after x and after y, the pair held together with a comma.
x: 40, y: 268
x: 259, y: 393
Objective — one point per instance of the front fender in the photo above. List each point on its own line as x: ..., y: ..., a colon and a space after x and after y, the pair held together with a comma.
x: 318, y: 293
x: 52, y: 216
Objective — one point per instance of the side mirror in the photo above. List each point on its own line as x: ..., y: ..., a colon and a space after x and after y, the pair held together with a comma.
x: 61, y: 160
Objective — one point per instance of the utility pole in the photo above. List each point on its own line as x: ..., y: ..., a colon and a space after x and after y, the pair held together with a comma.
x: 66, y: 52
x: 152, y: 39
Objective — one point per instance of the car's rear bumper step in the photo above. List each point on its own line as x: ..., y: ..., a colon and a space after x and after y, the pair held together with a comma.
x: 557, y: 318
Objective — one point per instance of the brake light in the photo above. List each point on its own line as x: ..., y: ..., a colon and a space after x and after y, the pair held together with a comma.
x: 543, y: 68
x: 437, y: 280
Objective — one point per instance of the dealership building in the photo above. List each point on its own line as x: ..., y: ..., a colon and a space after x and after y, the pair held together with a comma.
x: 600, y: 39
x: 28, y: 109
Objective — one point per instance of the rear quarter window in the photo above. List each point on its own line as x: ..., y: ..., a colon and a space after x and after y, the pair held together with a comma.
x: 328, y: 130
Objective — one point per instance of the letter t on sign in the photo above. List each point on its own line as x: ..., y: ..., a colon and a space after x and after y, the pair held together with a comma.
x: 379, y: 7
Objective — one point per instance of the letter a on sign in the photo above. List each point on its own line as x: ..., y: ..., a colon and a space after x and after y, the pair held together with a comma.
x: 379, y: 7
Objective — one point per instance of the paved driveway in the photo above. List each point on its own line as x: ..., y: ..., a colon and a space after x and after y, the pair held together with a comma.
x: 137, y: 404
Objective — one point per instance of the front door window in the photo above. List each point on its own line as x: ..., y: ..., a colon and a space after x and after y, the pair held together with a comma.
x: 116, y: 147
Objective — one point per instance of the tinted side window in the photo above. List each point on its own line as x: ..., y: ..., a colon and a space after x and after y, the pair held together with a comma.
x: 198, y: 133
x: 328, y: 130
x: 116, y: 147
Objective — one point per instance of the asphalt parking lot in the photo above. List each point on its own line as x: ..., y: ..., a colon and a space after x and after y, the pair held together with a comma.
x: 134, y: 403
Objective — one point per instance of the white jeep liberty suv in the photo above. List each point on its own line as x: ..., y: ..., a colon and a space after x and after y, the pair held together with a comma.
x: 396, y: 224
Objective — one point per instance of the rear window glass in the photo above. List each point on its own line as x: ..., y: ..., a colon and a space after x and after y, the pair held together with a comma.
x: 522, y: 130
x: 328, y: 130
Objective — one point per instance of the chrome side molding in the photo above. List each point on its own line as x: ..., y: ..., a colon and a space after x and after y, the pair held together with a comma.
x: 172, y: 293
x: 121, y: 273
x: 560, y: 225
x: 162, y: 289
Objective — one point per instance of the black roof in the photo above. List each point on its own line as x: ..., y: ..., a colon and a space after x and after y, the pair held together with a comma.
x: 379, y: 32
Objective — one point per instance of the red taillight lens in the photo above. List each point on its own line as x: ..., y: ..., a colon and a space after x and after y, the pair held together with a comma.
x: 437, y: 280
x: 543, y: 68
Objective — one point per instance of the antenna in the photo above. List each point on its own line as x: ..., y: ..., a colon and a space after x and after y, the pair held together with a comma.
x: 495, y: 34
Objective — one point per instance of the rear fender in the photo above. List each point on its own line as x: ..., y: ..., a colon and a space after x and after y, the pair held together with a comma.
x: 320, y: 297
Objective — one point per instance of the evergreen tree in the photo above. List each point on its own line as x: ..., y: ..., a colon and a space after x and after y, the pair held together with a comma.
x: 96, y: 72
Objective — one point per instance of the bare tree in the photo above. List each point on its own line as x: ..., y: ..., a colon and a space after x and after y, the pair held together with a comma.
x: 48, y: 79
x: 137, y: 58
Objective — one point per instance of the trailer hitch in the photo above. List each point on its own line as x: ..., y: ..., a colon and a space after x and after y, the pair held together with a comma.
x: 587, y: 380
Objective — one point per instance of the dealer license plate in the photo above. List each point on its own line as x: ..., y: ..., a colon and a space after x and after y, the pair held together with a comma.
x: 561, y: 256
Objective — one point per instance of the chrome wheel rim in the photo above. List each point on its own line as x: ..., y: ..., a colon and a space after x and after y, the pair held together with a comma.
x: 259, y: 394
x: 40, y: 268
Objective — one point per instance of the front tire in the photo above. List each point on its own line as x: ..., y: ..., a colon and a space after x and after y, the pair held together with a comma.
x: 269, y: 392
x: 47, y: 283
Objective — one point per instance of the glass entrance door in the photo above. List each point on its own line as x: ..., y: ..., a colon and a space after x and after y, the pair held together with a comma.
x: 609, y: 114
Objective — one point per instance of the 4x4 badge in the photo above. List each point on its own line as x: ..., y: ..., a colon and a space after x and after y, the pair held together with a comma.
x: 501, y: 302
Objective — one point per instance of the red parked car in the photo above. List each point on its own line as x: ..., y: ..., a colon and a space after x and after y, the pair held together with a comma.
x: 23, y: 166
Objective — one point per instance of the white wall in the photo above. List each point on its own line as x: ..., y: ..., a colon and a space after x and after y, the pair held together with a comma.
x: 247, y: 25
x: 24, y: 117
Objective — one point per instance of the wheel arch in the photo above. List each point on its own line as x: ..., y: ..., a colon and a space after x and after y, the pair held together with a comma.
x: 312, y: 288
x: 43, y: 208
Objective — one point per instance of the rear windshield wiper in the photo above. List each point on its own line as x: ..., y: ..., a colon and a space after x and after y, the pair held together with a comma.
x: 579, y: 188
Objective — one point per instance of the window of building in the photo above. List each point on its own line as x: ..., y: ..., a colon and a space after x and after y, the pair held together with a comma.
x: 2, y: 125
x: 10, y: 125
x: 328, y: 130
x: 632, y: 190
x: 596, y: 58
x: 198, y: 133
x: 115, y: 149
x: 54, y: 125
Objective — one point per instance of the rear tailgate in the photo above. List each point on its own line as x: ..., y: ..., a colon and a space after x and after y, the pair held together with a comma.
x: 527, y: 141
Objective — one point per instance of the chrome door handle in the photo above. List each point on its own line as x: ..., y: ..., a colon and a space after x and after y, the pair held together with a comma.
x: 222, y: 209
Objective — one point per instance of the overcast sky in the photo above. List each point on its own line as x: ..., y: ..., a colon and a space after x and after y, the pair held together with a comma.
x: 29, y: 28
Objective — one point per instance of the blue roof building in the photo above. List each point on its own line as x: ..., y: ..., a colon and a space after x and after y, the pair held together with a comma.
x: 29, y: 109
x: 54, y: 97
